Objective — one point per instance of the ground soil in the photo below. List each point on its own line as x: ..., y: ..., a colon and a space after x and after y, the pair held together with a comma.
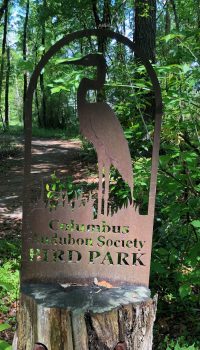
x: 66, y: 158
x: 63, y: 157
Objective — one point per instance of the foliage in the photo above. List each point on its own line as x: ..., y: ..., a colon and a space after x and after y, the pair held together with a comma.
x: 57, y: 186
x: 3, y: 344
x: 9, y: 147
x: 180, y: 344
x: 175, y: 259
x: 9, y: 284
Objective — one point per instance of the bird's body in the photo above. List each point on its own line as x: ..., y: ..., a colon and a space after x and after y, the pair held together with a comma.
x: 101, y: 127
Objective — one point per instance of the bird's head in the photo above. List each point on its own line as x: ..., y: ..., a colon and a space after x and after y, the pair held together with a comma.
x: 91, y: 60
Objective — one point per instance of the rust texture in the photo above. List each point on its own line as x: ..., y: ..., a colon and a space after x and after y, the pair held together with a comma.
x: 70, y: 243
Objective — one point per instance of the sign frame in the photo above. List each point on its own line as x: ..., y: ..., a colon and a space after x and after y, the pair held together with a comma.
x: 29, y: 271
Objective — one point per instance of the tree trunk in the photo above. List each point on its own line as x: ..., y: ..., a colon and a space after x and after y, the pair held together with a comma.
x: 175, y: 15
x: 18, y: 96
x: 36, y: 91
x: 167, y: 20
x: 198, y: 14
x: 145, y: 40
x: 25, y: 55
x: 7, y: 89
x: 3, y: 8
x: 37, y: 108
x: 105, y: 23
x: 145, y: 27
x: 3, y: 51
x: 44, y: 119
x: 85, y: 318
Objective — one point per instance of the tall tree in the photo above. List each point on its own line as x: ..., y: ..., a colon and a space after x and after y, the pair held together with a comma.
x: 198, y: 13
x: 3, y: 8
x: 175, y: 15
x: 25, y: 54
x: 44, y: 119
x: 145, y: 40
x: 145, y: 27
x: 103, y: 23
x: 3, y: 51
x: 7, y: 87
x: 36, y: 91
x: 167, y: 19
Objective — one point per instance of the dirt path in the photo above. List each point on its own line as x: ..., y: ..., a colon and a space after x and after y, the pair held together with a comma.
x: 64, y: 157
x: 48, y: 156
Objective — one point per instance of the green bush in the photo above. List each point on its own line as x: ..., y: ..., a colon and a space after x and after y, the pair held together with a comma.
x: 9, y: 284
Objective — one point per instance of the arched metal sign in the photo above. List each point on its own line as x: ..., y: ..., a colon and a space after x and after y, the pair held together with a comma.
x: 69, y: 244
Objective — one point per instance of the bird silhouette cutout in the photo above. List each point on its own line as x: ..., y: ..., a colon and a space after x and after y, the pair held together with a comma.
x: 101, y: 127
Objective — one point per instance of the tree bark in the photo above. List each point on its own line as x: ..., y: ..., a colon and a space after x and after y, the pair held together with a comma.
x: 145, y: 40
x: 145, y: 27
x: 36, y: 92
x: 175, y: 15
x: 105, y: 23
x: 44, y: 119
x: 25, y: 56
x: 167, y: 20
x: 7, y: 89
x: 85, y: 318
x: 3, y: 51
x: 37, y: 108
x: 198, y: 14
x: 3, y: 8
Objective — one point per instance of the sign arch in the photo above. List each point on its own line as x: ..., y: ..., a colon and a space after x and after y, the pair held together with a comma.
x: 67, y: 39
x: 148, y: 226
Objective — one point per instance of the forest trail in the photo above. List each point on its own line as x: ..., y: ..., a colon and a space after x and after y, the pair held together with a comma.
x: 48, y: 156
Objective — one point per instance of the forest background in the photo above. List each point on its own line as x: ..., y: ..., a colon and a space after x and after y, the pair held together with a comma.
x: 168, y: 31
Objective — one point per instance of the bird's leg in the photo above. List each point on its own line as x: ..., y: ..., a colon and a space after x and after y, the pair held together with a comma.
x: 100, y: 166
x: 106, y: 195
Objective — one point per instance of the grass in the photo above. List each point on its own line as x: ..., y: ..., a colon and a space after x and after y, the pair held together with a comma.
x: 9, y: 146
x: 9, y: 284
x: 10, y: 250
x: 65, y: 134
x: 179, y: 344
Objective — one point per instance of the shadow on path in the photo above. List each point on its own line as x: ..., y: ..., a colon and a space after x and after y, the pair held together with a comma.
x: 63, y: 157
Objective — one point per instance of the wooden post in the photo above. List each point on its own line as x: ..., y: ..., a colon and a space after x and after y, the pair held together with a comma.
x: 85, y: 318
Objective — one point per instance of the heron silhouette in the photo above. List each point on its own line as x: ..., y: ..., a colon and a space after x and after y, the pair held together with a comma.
x: 101, y: 127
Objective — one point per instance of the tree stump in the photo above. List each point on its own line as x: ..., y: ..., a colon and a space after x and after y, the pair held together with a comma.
x: 85, y: 317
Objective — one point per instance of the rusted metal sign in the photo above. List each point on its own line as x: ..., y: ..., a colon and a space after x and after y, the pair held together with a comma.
x: 69, y: 243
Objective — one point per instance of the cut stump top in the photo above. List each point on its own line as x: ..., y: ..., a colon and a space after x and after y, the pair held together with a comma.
x: 82, y: 299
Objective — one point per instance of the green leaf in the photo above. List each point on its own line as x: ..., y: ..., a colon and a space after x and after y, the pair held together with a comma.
x: 196, y: 223
x: 41, y: 48
x: 58, y: 89
x: 185, y: 68
x: 53, y: 187
x: 4, y: 345
x: 71, y: 59
x: 26, y: 65
x: 59, y: 80
x: 49, y: 194
x: 4, y: 326
x: 7, y: 286
x: 184, y: 290
x: 158, y: 268
x: 169, y: 37
x: 162, y: 251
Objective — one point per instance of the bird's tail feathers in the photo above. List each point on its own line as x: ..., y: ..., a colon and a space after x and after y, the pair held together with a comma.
x: 128, y: 178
